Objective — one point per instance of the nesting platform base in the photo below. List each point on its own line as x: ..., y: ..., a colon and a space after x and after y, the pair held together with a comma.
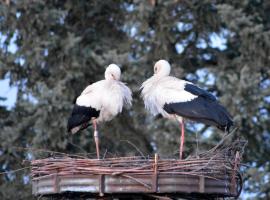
x: 139, y: 185
x: 211, y: 174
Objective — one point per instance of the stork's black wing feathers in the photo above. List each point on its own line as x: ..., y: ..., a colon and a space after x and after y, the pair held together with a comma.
x: 202, y: 110
x: 81, y: 116
x: 193, y: 89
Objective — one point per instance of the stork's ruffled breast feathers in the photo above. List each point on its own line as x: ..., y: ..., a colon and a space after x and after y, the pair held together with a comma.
x: 151, y: 96
x: 126, y: 94
x: 113, y: 99
x: 157, y: 91
x: 117, y: 95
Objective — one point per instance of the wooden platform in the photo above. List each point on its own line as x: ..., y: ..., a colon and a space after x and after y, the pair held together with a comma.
x: 215, y: 174
x: 100, y: 185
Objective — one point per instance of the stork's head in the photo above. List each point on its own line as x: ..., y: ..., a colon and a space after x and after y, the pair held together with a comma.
x: 113, y: 72
x: 162, y: 68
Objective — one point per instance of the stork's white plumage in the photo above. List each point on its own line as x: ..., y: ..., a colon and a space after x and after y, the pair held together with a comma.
x: 99, y: 102
x: 178, y: 99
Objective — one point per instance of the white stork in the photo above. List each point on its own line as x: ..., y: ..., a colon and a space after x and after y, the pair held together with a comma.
x: 99, y: 102
x: 178, y: 99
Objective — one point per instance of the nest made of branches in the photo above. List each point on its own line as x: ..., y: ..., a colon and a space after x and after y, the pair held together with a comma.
x: 215, y: 163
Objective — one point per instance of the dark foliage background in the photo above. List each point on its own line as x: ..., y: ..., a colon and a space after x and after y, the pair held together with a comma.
x: 59, y: 47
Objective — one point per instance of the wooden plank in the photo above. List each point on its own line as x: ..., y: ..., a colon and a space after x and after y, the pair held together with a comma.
x: 201, y: 184
x: 101, y: 185
x: 56, y: 183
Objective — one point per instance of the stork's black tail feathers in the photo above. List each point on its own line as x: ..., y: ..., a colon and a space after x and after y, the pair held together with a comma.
x: 80, y: 118
x: 225, y: 122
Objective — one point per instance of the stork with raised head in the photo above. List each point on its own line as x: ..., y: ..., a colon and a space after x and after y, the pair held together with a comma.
x: 100, y: 102
x: 179, y: 99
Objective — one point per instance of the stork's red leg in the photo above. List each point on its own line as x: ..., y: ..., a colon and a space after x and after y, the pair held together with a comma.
x: 96, y: 137
x: 182, y: 139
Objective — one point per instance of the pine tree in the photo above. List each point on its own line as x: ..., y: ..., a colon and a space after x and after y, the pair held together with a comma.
x: 51, y: 50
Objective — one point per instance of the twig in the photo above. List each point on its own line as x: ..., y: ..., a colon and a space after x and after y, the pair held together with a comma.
x: 16, y: 170
x: 133, y: 146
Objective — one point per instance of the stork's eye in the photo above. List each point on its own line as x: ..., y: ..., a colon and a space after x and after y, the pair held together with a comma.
x: 155, y: 69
